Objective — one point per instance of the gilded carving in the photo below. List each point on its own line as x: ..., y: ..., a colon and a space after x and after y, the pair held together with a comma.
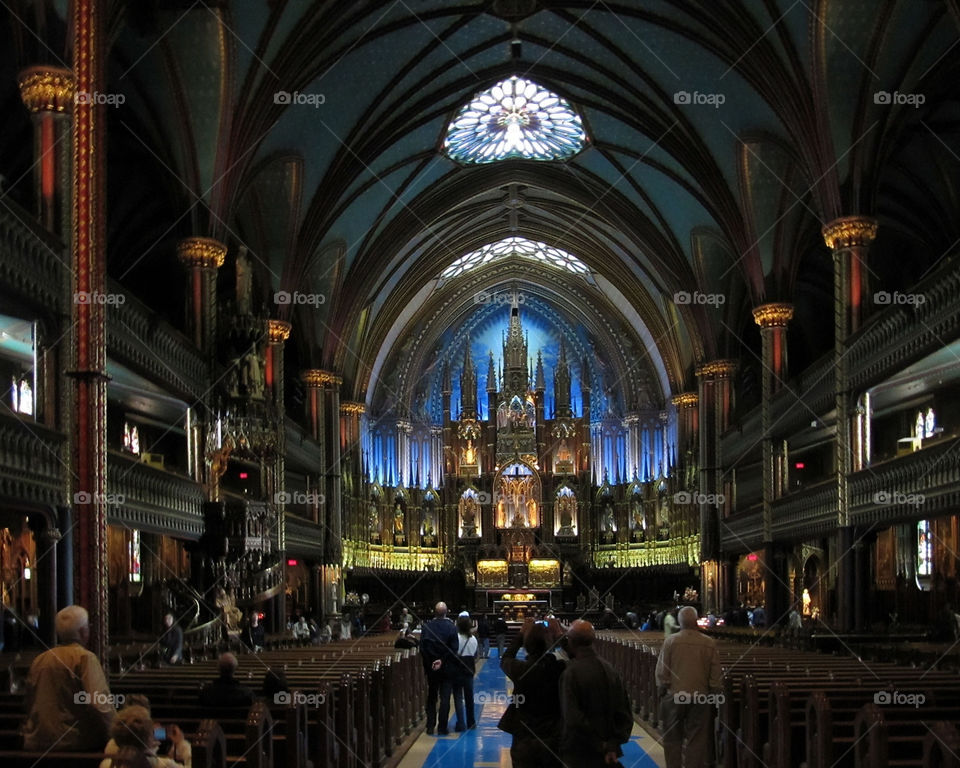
x: 850, y: 231
x: 204, y: 252
x: 47, y: 89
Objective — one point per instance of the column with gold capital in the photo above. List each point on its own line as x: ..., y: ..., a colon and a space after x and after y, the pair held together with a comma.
x: 314, y: 379
x: 49, y: 93
x: 849, y: 238
x: 773, y: 319
x: 202, y: 257
x: 715, y: 403
x: 333, y: 505
x: 278, y: 331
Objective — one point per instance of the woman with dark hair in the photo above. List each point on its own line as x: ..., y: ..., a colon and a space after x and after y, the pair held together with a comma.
x: 533, y: 716
x: 463, y: 673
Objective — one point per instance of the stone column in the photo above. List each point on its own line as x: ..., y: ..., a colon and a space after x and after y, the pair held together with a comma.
x: 715, y: 404
x: 314, y: 379
x: 202, y: 257
x: 278, y: 331
x: 89, y: 319
x: 46, y: 539
x: 49, y: 94
x: 332, y: 496
x: 688, y: 433
x: 849, y: 239
x: 773, y: 320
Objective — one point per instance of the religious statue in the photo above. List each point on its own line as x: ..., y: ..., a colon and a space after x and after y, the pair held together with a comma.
x: 921, y: 426
x: 929, y: 423
x: 566, y: 507
x: 531, y: 512
x: 428, y: 528
x: 469, y: 454
x: 609, y: 526
x: 468, y: 516
x: 398, y: 520
x: 564, y: 456
x: 373, y: 518
x: 254, y: 374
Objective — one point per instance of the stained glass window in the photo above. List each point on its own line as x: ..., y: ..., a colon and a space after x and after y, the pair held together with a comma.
x: 515, y: 118
x: 924, y: 549
x: 22, y: 394
x: 516, y: 246
x: 133, y: 551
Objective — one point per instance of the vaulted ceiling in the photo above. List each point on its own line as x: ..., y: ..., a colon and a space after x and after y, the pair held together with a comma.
x: 722, y: 137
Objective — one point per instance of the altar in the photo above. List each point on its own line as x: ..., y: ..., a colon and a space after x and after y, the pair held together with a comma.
x: 517, y: 605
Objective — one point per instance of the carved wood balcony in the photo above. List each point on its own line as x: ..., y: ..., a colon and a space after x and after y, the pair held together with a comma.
x: 742, y: 532
x: 153, y: 499
x: 919, y: 485
x: 805, y: 514
x: 33, y: 262
x: 32, y: 462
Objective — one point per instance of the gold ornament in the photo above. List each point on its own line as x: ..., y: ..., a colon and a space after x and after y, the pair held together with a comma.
x: 201, y: 252
x: 850, y: 231
x: 47, y: 89
x: 773, y: 315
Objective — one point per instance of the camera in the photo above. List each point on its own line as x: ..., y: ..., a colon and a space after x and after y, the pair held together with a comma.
x: 160, y: 733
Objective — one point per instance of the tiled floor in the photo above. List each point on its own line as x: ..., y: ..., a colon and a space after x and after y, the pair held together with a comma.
x: 488, y: 747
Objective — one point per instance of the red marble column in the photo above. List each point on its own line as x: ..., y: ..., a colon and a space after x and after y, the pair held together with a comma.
x: 89, y: 319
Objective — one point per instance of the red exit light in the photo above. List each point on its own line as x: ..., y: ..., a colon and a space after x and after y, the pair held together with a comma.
x: 243, y: 475
x: 799, y: 465
x: 292, y: 562
x: 752, y: 558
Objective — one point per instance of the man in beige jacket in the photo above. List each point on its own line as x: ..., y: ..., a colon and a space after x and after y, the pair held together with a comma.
x: 689, y: 678
x: 69, y: 706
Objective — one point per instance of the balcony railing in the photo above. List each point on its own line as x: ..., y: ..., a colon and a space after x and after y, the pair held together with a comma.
x: 805, y: 514
x: 921, y: 484
x: 137, y: 337
x: 33, y: 263
x: 742, y: 532
x: 32, y: 462
x: 153, y: 499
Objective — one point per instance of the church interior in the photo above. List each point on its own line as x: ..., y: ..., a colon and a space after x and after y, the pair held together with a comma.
x: 535, y: 307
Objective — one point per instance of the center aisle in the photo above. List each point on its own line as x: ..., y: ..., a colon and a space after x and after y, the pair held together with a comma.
x: 488, y: 747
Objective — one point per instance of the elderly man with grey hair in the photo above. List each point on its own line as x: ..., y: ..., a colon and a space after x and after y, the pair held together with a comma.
x: 69, y: 706
x: 688, y: 673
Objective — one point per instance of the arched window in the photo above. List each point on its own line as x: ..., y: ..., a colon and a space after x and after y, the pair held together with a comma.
x: 924, y: 549
x: 516, y: 118
x: 519, y: 247
x: 22, y: 394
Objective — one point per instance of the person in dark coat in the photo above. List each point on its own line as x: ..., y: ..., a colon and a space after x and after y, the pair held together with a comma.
x: 171, y: 641
x: 226, y: 690
x: 596, y: 708
x: 500, y: 632
x: 533, y: 716
x: 438, y: 649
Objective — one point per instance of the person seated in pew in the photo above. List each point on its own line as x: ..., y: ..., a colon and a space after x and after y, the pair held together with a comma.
x: 254, y: 636
x: 274, y: 683
x: 406, y: 639
x: 226, y: 690
x: 133, y: 731
x: 180, y: 750
x: 326, y: 633
x: 133, y: 700
x: 171, y: 641
x: 68, y: 699
x: 301, y: 630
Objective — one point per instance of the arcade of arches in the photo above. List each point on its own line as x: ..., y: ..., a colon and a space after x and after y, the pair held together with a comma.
x: 522, y: 305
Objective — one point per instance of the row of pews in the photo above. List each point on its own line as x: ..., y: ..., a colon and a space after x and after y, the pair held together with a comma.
x: 351, y: 705
x: 784, y: 708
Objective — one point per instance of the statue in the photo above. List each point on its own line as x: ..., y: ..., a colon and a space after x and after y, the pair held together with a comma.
x: 469, y: 454
x: 373, y: 518
x: 398, y: 520
x: 609, y: 526
x: 428, y: 525
x: 254, y: 373
x: 566, y: 508
x: 531, y: 513
x: 468, y: 516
